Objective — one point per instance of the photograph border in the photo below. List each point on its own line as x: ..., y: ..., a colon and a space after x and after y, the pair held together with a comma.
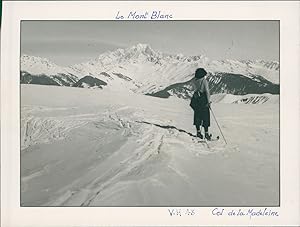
x: 12, y: 215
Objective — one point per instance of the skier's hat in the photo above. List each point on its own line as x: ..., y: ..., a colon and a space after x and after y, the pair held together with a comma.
x: 200, y: 72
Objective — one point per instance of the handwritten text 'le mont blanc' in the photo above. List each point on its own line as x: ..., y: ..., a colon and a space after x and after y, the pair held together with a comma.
x: 146, y: 15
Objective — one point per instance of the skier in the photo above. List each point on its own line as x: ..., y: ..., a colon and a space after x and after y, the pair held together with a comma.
x: 200, y: 103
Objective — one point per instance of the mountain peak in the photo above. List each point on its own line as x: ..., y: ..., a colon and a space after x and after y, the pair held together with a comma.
x: 142, y: 48
x: 39, y: 65
x: 34, y: 59
x: 137, y: 52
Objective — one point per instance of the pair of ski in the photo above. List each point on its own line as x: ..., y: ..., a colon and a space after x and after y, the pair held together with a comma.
x: 206, y: 141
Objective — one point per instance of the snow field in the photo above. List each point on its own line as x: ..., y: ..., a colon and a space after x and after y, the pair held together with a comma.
x: 83, y: 147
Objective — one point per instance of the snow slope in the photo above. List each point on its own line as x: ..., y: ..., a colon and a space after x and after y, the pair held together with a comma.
x: 246, y: 99
x: 36, y: 70
x: 84, y: 147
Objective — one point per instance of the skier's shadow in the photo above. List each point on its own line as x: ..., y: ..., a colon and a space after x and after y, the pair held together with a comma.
x: 167, y: 127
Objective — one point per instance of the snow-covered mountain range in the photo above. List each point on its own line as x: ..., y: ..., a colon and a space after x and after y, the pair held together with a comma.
x: 141, y: 69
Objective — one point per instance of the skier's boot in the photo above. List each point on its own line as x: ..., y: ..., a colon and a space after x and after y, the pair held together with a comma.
x: 207, y: 136
x: 199, y: 135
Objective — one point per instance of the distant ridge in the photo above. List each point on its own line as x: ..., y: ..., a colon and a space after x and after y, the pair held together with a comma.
x: 89, y: 81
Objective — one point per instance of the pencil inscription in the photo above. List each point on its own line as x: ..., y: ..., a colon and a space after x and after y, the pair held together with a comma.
x: 181, y: 212
x: 251, y: 212
x: 145, y: 15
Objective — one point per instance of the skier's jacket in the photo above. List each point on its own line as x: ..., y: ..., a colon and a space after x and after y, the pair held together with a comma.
x: 199, y: 100
x: 201, y: 96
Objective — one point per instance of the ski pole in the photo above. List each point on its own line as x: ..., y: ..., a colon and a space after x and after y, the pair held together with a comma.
x: 218, y: 124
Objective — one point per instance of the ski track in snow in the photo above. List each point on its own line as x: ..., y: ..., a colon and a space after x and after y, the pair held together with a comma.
x: 123, y: 154
x: 149, y: 137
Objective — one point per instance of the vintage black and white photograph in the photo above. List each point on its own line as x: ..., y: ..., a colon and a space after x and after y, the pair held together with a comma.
x: 149, y: 113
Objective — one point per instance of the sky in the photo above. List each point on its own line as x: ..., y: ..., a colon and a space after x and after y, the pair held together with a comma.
x: 70, y: 42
